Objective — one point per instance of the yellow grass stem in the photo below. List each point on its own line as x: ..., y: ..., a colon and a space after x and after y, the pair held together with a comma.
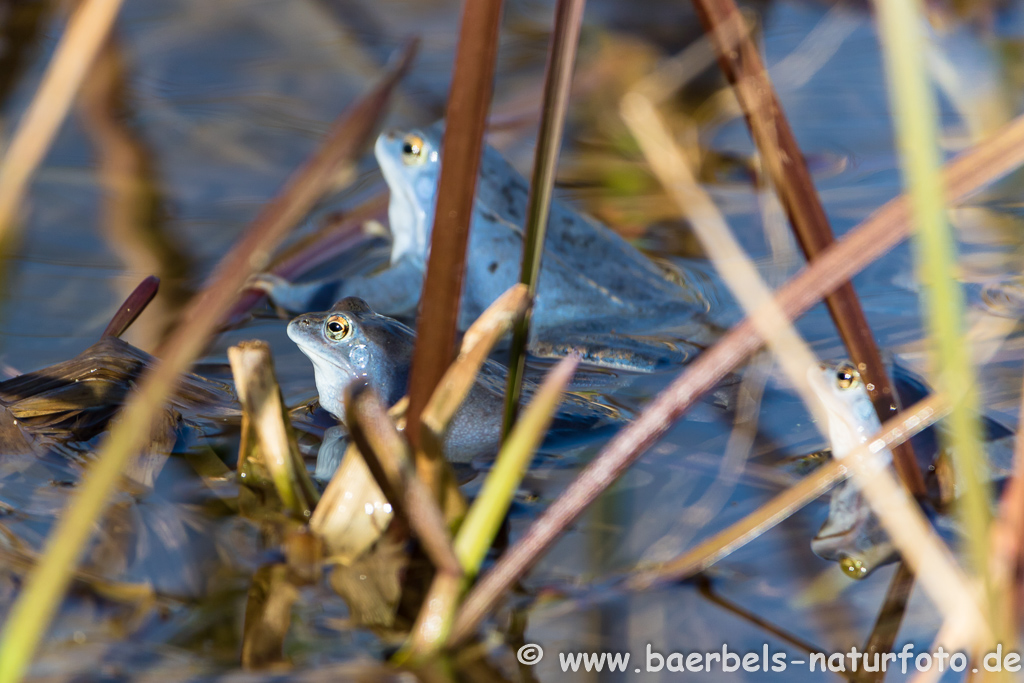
x: 484, y: 518
x: 87, y: 29
x: 901, y: 25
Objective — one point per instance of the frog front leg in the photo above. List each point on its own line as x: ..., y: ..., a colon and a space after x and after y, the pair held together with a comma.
x: 394, y: 291
x: 332, y: 450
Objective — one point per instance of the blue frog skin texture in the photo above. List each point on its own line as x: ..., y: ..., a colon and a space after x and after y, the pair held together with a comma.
x: 351, y: 343
x: 595, y: 293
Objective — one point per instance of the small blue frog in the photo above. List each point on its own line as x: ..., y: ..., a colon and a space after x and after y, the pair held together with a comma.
x: 595, y: 294
x: 852, y: 534
x: 351, y: 343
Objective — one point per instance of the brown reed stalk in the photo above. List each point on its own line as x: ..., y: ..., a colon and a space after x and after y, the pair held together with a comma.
x: 739, y: 59
x: 387, y: 455
x: 887, y: 624
x: 132, y: 307
x: 880, y: 232
x: 466, y: 118
x: 340, y: 233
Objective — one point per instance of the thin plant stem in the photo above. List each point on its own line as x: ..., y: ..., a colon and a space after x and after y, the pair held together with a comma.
x: 132, y: 307
x: 85, y: 34
x: 465, y: 120
x: 565, y: 37
x: 901, y: 25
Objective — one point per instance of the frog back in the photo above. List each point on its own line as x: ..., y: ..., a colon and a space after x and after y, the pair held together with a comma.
x: 587, y: 272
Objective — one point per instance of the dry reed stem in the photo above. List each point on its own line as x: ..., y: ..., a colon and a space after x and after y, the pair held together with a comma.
x: 462, y: 145
x: 85, y: 34
x: 354, y: 511
x: 887, y: 624
x: 903, y: 520
x: 388, y: 457
x: 881, y: 231
x: 784, y: 161
x: 340, y: 234
x: 32, y: 611
x: 264, y: 408
x: 477, y: 344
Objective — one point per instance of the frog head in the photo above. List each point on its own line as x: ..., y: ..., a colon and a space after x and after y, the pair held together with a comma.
x: 411, y: 163
x: 841, y: 383
x: 350, y: 343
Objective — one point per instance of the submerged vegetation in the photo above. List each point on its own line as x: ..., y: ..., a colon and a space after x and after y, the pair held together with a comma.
x: 170, y: 501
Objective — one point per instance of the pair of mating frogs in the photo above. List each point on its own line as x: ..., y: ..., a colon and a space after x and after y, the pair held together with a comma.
x: 595, y: 293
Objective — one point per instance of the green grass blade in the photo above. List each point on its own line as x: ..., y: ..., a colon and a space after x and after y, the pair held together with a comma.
x: 484, y: 518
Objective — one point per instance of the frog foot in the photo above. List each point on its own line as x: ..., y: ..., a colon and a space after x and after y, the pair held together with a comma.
x: 294, y: 297
x: 617, y: 352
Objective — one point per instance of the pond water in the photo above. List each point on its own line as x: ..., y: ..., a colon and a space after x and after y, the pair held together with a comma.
x: 223, y: 100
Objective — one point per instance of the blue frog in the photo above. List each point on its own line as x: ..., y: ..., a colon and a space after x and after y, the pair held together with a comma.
x: 852, y: 535
x: 352, y: 343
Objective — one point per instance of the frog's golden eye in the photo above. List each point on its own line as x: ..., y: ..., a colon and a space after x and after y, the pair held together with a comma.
x: 854, y: 568
x: 413, y: 150
x: 337, y: 327
x: 847, y: 376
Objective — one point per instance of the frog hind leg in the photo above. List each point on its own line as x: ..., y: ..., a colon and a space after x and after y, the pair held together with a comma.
x: 394, y: 291
x: 616, y: 351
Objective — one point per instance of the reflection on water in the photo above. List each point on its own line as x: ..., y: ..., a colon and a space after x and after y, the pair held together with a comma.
x: 197, y: 114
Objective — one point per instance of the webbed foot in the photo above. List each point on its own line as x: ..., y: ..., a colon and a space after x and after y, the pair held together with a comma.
x: 295, y: 297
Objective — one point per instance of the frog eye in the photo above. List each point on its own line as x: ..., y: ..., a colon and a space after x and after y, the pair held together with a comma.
x: 337, y: 327
x: 847, y: 376
x: 854, y: 568
x: 413, y: 150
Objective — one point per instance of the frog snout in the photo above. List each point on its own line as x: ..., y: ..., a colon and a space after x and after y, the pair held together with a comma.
x: 301, y: 323
x: 301, y: 328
